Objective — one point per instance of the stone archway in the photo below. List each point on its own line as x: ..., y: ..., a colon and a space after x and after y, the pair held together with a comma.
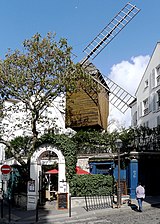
x: 36, y: 168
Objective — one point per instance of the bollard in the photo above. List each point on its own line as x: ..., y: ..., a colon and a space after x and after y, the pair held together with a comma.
x: 2, y: 208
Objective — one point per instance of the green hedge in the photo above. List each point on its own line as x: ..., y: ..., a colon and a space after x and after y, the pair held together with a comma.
x: 96, y: 184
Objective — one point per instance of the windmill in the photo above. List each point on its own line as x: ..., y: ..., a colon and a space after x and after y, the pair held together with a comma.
x: 118, y: 96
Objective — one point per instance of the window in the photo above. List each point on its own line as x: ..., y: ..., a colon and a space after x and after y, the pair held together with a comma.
x: 145, y: 106
x: 146, y: 124
x: 158, y: 80
x: 158, y: 75
x: 134, y: 119
x: 158, y: 102
x: 158, y: 120
x: 158, y: 70
x: 146, y: 84
x: 140, y: 110
x: 154, y: 104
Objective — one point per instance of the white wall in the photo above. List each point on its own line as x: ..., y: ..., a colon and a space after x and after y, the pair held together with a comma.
x: 145, y: 91
x: 11, y: 124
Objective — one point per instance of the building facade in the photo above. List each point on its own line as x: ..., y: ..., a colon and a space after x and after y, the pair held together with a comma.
x: 145, y: 114
x: 145, y: 110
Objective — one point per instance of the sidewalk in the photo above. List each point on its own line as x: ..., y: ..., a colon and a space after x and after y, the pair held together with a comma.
x: 51, y: 215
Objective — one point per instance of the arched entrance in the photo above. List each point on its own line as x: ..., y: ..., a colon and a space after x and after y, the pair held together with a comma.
x: 35, y: 170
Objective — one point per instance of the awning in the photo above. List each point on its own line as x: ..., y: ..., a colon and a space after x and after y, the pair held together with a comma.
x: 54, y: 171
x: 79, y: 171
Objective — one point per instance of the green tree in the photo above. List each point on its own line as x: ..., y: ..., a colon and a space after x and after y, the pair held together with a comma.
x: 30, y: 80
x: 92, y: 141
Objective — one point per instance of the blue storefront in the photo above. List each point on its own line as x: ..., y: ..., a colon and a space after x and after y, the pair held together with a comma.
x: 128, y: 174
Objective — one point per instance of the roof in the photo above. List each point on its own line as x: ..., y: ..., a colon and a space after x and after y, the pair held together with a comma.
x: 93, y: 71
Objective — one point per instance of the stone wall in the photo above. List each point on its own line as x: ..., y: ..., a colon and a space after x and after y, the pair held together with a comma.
x: 77, y: 202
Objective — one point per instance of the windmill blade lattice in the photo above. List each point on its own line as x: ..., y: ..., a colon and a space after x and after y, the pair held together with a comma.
x: 119, y: 97
x: 110, y: 31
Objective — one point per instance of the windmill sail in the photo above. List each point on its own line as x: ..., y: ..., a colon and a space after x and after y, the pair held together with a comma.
x: 110, y: 31
x: 119, y: 97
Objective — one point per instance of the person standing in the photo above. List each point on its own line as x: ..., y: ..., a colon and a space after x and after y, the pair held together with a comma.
x: 140, y: 194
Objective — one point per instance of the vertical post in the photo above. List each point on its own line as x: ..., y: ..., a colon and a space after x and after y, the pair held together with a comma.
x: 86, y: 203
x: 69, y: 205
x: 37, y: 210
x: 40, y: 187
x: 133, y: 177
x: 2, y: 207
x: 2, y: 202
x: 9, y: 210
x: 118, y: 144
x: 119, y: 182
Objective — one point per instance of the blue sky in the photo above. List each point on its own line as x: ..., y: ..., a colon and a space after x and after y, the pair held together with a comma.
x: 80, y: 21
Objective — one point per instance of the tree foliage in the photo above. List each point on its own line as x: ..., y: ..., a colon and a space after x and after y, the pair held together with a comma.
x: 93, y: 141
x: 30, y: 80
x: 20, y: 145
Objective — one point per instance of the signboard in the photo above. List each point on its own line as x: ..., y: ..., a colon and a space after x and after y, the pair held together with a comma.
x: 6, y: 169
x: 5, y: 177
x: 31, y: 186
x: 62, y: 200
x: 123, y: 187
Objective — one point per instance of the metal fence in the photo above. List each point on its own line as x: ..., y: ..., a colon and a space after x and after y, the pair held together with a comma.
x: 98, y: 202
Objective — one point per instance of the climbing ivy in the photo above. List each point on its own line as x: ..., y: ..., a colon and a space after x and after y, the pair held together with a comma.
x: 82, y: 185
x: 62, y: 142
x: 90, y: 141
x: 68, y: 148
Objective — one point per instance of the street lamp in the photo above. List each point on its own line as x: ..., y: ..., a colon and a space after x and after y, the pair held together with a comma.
x: 118, y: 144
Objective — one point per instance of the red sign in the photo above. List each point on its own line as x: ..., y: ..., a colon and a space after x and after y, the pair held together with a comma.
x: 5, y: 169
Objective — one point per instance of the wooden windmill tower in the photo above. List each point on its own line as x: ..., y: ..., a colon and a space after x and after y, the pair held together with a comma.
x: 86, y: 110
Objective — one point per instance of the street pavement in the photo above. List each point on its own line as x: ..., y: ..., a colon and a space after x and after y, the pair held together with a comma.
x: 127, y: 214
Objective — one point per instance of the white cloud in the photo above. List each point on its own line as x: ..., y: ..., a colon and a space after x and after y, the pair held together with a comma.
x: 126, y: 74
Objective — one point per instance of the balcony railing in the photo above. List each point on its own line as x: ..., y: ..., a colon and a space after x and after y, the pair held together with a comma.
x: 148, y: 141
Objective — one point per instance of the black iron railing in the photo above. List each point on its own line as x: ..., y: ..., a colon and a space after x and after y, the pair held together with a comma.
x: 98, y: 202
